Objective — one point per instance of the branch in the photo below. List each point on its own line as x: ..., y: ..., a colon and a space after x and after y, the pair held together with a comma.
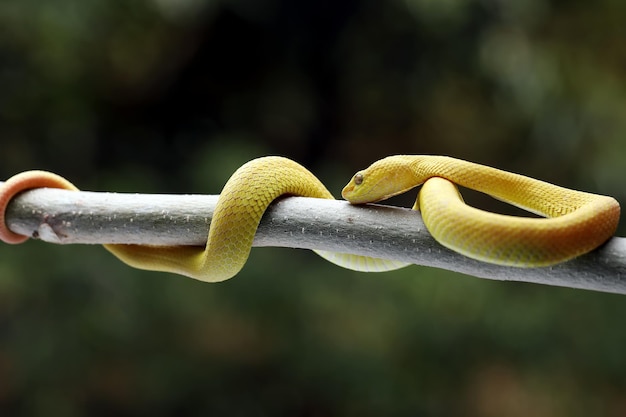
x: 68, y: 217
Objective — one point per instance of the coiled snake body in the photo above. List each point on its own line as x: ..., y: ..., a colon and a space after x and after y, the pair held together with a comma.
x: 576, y: 222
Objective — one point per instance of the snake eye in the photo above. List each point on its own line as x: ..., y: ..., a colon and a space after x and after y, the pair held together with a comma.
x: 358, y: 178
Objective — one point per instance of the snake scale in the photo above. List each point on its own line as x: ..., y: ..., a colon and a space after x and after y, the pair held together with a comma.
x: 573, y: 222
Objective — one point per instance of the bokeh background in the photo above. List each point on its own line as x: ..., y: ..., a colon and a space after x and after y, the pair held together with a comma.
x: 172, y: 96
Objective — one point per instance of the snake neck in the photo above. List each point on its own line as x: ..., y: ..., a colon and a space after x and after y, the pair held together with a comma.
x: 534, y: 195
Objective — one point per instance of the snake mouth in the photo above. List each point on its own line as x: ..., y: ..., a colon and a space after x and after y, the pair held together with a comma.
x: 382, y: 189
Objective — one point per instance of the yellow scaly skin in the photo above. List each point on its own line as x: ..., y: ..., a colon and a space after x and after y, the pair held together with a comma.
x: 576, y: 222
x: 580, y: 223
x: 242, y: 202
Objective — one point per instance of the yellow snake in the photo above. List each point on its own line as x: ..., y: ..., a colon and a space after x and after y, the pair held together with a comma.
x: 577, y: 222
x: 574, y: 222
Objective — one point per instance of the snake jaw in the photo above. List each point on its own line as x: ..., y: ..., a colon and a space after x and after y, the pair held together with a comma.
x: 350, y: 188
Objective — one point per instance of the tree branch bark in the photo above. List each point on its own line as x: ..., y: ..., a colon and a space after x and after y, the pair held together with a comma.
x: 68, y: 217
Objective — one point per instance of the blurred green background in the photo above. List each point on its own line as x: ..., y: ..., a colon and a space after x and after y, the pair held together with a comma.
x: 172, y: 96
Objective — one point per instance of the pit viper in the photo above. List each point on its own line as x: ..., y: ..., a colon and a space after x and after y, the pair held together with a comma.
x: 574, y: 222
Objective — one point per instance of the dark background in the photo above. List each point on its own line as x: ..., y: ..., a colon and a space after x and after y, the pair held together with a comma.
x: 173, y: 95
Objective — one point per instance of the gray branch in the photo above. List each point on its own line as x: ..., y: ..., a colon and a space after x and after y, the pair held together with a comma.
x: 68, y: 217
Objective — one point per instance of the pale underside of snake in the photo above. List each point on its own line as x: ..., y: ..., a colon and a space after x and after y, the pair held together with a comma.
x: 573, y: 222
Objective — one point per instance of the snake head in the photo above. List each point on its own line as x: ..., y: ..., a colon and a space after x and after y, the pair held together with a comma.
x: 381, y: 180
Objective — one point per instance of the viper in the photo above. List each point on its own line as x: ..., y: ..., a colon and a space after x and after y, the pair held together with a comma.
x: 573, y: 222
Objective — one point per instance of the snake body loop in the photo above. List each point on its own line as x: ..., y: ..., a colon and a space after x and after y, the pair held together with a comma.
x: 576, y: 222
x: 242, y: 202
